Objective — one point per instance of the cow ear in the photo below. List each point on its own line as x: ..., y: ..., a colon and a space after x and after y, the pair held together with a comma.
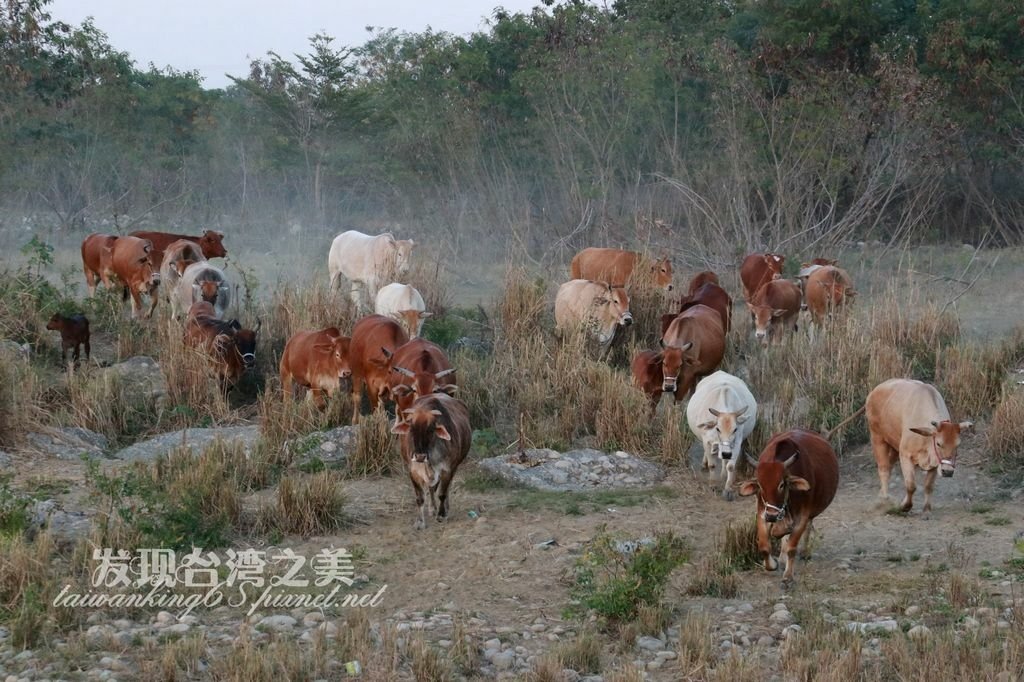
x: 926, y: 431
x: 442, y: 432
x: 742, y: 419
x: 324, y: 347
x: 425, y: 315
x: 798, y: 483
x: 707, y: 425
x: 966, y: 426
x: 400, y: 428
x: 747, y: 488
x: 779, y: 312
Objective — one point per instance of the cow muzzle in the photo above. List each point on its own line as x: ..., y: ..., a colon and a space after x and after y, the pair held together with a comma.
x: 626, y: 319
x: 668, y: 386
x: 773, y: 514
x: 419, y: 457
x: 760, y: 333
x: 344, y: 374
x: 249, y: 360
x: 725, y: 451
x: 947, y: 467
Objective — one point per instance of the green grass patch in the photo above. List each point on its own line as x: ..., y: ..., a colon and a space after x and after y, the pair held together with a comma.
x: 981, y: 508
x: 577, y: 504
x: 997, y: 521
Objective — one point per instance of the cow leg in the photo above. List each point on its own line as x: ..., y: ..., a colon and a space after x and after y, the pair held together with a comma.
x: 442, y: 494
x: 709, y: 461
x: 90, y: 281
x: 421, y: 516
x: 153, y: 298
x: 287, y: 388
x: 136, y: 303
x: 884, y: 459
x: 318, y: 397
x: 88, y: 351
x: 764, y: 543
x: 929, y: 484
x: 77, y: 352
x: 357, y: 397
x: 789, y: 546
x: 729, y: 473
x: 907, y: 467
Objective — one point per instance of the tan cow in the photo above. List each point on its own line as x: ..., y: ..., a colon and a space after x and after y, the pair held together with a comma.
x: 597, y: 306
x: 178, y: 256
x: 909, y: 421
x: 132, y: 263
x: 827, y: 290
x: 316, y: 360
x: 617, y: 266
x: 366, y: 262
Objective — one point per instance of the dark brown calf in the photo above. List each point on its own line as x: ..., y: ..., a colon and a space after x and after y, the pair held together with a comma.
x: 74, y: 333
x: 231, y: 349
x: 714, y: 297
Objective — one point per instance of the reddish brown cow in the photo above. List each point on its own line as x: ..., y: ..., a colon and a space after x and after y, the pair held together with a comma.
x: 375, y: 339
x: 796, y: 476
x: 211, y: 242
x: 419, y: 368
x: 231, y: 349
x: 616, y: 266
x: 700, y: 279
x: 775, y: 306
x: 692, y: 348
x: 131, y: 260
x: 315, y: 360
x: 714, y: 297
x: 827, y: 289
x: 436, y: 437
x: 96, y: 250
x: 758, y: 269
x: 647, y: 375
x: 74, y: 332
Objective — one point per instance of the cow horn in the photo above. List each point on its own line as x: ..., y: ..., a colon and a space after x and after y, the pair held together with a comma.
x: 388, y: 354
x: 935, y: 424
x: 408, y: 411
x: 751, y: 460
x: 742, y: 410
x: 443, y: 373
x: 404, y: 372
x: 792, y: 458
x: 714, y: 411
x: 436, y: 413
x: 686, y: 346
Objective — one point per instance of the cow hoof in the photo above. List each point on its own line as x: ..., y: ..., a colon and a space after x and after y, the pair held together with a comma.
x: 787, y: 583
x: 772, y: 564
x: 419, y: 524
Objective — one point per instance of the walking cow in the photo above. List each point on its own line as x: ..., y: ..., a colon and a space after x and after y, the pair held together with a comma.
x: 722, y: 413
x: 366, y: 261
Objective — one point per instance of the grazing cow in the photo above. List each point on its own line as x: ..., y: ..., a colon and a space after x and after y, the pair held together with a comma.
x: 714, y: 297
x: 805, y: 271
x: 722, y: 413
x: 700, y: 279
x: 375, y: 339
x: 616, y: 267
x: 366, y: 261
x: 177, y: 257
x: 74, y: 332
x: 775, y: 306
x: 758, y: 269
x: 796, y: 476
x: 826, y: 290
x: 131, y: 261
x: 419, y: 368
x: 231, y: 349
x: 403, y: 303
x: 647, y: 375
x: 202, y: 282
x: 597, y: 306
x: 692, y: 348
x: 315, y: 360
x: 96, y: 252
x: 908, y: 420
x: 211, y: 243
x: 436, y: 437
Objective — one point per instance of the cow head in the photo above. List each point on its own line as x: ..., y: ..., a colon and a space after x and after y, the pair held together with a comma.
x: 424, y: 430
x: 412, y: 320
x: 661, y: 271
x: 56, y: 322
x: 945, y: 439
x: 774, y: 482
x: 764, y: 316
x: 212, y: 244
x: 208, y: 290
x: 245, y: 343
x: 403, y: 255
x: 700, y: 279
x: 613, y: 305
x: 418, y: 384
x: 337, y: 351
x: 722, y: 432
x: 673, y: 363
x: 775, y: 261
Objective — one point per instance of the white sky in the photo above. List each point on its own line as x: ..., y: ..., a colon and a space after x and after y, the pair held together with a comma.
x: 220, y: 36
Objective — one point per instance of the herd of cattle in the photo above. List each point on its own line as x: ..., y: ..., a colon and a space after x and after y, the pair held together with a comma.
x: 795, y: 477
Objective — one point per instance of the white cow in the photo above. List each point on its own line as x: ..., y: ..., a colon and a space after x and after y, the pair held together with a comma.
x: 405, y: 304
x: 366, y: 261
x: 201, y: 282
x: 597, y: 306
x: 722, y: 413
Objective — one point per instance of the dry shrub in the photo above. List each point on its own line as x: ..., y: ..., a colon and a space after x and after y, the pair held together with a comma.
x: 354, y: 641
x: 713, y: 577
x: 177, y: 659
x: 738, y: 544
x: 27, y: 587
x: 463, y: 651
x: 616, y: 422
x: 674, y: 445
x: 212, y: 479
x: 582, y: 654
x: 476, y: 387
x: 283, y: 422
x: 919, y: 337
x: 310, y: 505
x: 20, y: 398
x: 970, y: 379
x: 822, y: 651
x: 627, y: 673
x: 193, y: 389
x: 431, y: 280
x: 522, y: 308
x: 375, y: 446
x: 107, y: 404
x: 426, y: 663
x: 946, y: 655
x: 696, y: 649
x: 1006, y: 432
x: 279, y: 659
x: 546, y: 669
x: 737, y: 668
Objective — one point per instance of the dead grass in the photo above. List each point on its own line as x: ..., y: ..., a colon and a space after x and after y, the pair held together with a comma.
x: 426, y: 662
x: 696, y: 651
x: 582, y: 654
x: 309, y: 505
x: 1006, y: 431
x: 376, y: 447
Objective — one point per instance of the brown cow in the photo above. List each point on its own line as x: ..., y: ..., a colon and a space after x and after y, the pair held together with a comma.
x: 758, y: 269
x: 74, y: 332
x: 647, y: 375
x: 827, y: 289
x: 177, y: 257
x: 419, y: 368
x: 909, y: 421
x: 797, y: 476
x: 692, y: 348
x: 211, y: 242
x: 96, y: 250
x: 436, y: 437
x: 700, y: 279
x: 616, y: 266
x: 131, y: 260
x: 805, y: 271
x: 775, y: 306
x: 316, y: 360
x: 375, y: 339
x: 714, y: 297
x: 231, y: 349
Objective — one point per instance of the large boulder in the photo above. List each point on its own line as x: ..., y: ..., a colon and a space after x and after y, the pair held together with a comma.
x: 324, y: 449
x: 140, y: 375
x: 65, y: 527
x: 576, y: 470
x: 194, y: 439
x: 69, y: 442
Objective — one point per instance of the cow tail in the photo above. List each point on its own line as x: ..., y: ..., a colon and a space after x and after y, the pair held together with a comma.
x: 828, y: 434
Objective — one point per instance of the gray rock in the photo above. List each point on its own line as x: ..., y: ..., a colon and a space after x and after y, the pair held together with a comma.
x: 65, y: 527
x: 583, y: 469
x: 887, y: 625
x: 781, y: 617
x: 650, y: 643
x: 332, y: 448
x: 504, y: 660
x: 140, y: 375
x: 69, y: 442
x: 919, y: 632
x: 194, y: 439
x: 15, y: 350
x: 279, y: 623
x: 912, y: 611
x: 6, y: 461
